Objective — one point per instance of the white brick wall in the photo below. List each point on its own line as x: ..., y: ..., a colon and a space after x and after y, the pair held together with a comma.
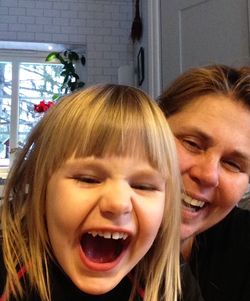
x: 102, y: 25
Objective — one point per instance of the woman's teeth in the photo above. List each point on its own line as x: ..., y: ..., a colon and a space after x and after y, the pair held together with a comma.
x: 193, y: 202
x: 109, y: 235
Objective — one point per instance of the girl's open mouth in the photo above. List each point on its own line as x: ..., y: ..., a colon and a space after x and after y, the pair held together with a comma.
x: 100, y: 248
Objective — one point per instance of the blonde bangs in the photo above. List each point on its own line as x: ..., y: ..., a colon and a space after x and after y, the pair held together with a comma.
x: 99, y: 122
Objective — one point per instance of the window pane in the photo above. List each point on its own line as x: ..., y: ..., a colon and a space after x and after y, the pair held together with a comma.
x: 36, y: 82
x: 5, y: 106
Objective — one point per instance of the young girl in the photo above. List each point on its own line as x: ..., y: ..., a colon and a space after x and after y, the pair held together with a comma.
x: 91, y: 206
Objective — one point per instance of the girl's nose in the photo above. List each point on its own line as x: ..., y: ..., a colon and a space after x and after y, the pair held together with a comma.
x: 206, y: 172
x: 116, y: 199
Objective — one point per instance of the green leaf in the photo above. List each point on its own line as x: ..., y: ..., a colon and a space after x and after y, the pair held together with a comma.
x: 70, y: 67
x: 81, y: 84
x: 51, y: 56
x: 72, y: 86
x: 61, y: 59
x: 83, y: 60
x: 76, y: 76
x: 73, y: 56
x: 63, y: 73
x: 55, y: 96
x: 66, y: 80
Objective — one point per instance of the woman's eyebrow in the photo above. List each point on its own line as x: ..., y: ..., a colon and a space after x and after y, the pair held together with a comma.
x: 197, y: 131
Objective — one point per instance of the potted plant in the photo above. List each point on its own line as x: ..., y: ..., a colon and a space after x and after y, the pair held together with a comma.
x: 71, y: 80
x: 68, y: 59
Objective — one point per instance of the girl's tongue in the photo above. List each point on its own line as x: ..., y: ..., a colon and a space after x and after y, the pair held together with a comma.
x: 101, y: 250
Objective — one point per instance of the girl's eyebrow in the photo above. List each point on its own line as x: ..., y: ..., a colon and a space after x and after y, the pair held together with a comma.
x: 80, y: 164
x: 96, y: 164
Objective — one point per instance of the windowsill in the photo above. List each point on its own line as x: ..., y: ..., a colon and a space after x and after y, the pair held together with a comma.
x: 3, y: 173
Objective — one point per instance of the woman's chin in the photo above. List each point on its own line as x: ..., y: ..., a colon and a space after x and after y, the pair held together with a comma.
x: 187, y: 232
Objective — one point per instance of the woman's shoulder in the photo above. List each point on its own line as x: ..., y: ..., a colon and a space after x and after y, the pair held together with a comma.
x: 190, y: 286
x: 240, y: 212
x: 237, y: 220
x: 233, y: 231
x: 220, y: 259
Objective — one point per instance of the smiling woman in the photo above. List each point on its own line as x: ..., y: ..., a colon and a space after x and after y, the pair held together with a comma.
x: 77, y: 215
x: 208, y: 110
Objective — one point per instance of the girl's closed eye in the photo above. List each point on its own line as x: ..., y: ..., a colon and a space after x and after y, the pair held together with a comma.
x: 144, y: 186
x: 148, y: 182
x: 153, y: 185
x: 87, y: 179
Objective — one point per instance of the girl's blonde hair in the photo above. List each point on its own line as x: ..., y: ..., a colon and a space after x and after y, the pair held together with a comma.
x: 103, y: 119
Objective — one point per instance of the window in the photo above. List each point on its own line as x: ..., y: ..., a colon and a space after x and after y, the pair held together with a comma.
x: 25, y: 80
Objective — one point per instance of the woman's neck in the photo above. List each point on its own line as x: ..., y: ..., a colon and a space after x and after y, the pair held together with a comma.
x: 186, y: 247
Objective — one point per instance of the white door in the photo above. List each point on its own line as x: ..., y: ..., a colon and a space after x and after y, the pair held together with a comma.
x: 199, y: 32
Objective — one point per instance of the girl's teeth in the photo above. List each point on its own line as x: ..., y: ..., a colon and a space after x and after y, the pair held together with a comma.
x: 109, y: 235
x: 116, y: 235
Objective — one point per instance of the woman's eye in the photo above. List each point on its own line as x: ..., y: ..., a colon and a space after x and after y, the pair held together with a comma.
x: 191, y: 145
x: 232, y: 166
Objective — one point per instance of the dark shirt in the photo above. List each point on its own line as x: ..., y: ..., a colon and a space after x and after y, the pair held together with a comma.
x: 63, y: 289
x: 220, y: 259
x: 190, y: 287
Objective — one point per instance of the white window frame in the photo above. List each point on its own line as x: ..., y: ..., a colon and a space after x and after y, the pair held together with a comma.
x: 27, y: 52
x: 17, y: 57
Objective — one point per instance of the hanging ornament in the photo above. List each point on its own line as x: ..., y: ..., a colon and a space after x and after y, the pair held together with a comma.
x: 136, y: 30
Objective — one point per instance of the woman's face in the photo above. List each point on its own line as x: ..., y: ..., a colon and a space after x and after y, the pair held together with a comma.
x: 213, y: 142
x: 103, y: 215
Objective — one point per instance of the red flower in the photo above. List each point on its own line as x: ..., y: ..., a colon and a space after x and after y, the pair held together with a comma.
x: 43, y: 106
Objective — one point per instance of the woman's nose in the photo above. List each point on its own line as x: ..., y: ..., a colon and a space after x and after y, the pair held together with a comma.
x: 206, y: 172
x: 116, y: 199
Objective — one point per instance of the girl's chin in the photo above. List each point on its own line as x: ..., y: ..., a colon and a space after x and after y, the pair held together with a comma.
x: 97, y: 285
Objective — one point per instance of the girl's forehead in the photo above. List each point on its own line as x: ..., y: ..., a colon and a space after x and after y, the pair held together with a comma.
x: 139, y: 155
x: 109, y: 164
